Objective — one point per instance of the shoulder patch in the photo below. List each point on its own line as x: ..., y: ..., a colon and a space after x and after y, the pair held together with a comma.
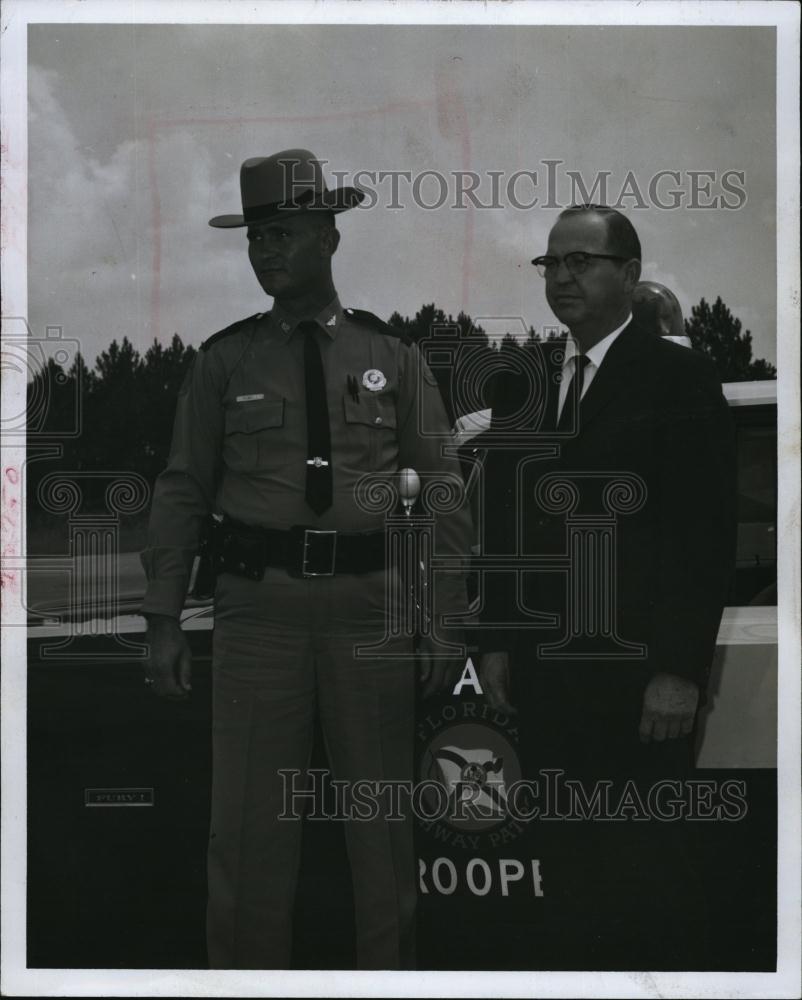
x: 378, y: 325
x: 228, y: 331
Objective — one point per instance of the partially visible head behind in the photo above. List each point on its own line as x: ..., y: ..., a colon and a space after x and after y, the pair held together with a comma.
x: 591, y: 291
x: 657, y: 308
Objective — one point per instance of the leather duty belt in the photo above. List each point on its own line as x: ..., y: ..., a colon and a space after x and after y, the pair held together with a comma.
x: 302, y: 551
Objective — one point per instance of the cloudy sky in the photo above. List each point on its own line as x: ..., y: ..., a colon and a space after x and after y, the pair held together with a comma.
x: 136, y: 134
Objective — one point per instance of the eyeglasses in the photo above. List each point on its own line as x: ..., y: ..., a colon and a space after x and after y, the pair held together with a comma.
x: 576, y: 262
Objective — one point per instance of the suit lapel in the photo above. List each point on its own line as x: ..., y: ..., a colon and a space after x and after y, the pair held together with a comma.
x: 615, y: 373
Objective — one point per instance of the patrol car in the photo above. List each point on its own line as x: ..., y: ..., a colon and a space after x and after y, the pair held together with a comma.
x: 118, y: 779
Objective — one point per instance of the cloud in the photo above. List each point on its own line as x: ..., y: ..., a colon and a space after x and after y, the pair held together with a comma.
x: 123, y: 179
x: 120, y: 247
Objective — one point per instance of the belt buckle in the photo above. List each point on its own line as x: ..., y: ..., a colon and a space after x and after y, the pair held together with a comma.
x: 305, y: 556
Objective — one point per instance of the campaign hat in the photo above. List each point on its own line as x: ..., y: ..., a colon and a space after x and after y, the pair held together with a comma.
x: 287, y: 182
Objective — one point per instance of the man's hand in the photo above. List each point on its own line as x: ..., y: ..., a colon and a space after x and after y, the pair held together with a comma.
x: 169, y: 662
x: 669, y: 708
x: 437, y: 673
x: 494, y: 676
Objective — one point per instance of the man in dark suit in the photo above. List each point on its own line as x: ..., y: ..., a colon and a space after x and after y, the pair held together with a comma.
x: 626, y: 460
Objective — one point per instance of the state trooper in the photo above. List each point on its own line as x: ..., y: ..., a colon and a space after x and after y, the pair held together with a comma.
x: 278, y: 419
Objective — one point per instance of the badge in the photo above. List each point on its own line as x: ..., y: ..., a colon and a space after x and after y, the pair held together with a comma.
x: 374, y: 380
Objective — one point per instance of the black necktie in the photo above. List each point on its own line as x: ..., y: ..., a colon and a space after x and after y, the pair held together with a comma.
x: 318, y: 437
x: 569, y: 417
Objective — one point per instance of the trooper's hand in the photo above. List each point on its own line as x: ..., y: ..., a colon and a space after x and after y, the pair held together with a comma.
x: 438, y: 673
x: 168, y: 668
x: 669, y: 708
x: 494, y: 676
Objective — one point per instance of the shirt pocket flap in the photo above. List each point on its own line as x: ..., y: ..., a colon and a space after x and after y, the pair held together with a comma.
x: 376, y: 410
x: 247, y: 418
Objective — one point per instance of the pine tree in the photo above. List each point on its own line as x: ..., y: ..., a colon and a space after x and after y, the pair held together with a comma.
x: 718, y: 334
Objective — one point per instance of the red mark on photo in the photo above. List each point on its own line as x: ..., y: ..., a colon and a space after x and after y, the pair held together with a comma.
x: 452, y: 121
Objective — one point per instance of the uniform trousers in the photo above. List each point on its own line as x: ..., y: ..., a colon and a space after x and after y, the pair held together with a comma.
x: 283, y: 649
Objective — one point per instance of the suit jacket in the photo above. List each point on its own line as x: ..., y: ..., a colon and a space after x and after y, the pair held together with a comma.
x: 654, y: 416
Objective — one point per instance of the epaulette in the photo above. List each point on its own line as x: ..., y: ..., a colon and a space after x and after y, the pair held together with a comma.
x: 369, y: 319
x: 234, y: 328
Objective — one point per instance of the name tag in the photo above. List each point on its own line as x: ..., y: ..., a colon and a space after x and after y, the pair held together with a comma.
x: 249, y: 399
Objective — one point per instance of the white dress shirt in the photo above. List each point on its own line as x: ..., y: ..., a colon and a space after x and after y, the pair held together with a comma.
x: 595, y: 357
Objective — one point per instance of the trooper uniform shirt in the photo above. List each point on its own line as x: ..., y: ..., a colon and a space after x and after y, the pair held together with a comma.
x: 240, y: 440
